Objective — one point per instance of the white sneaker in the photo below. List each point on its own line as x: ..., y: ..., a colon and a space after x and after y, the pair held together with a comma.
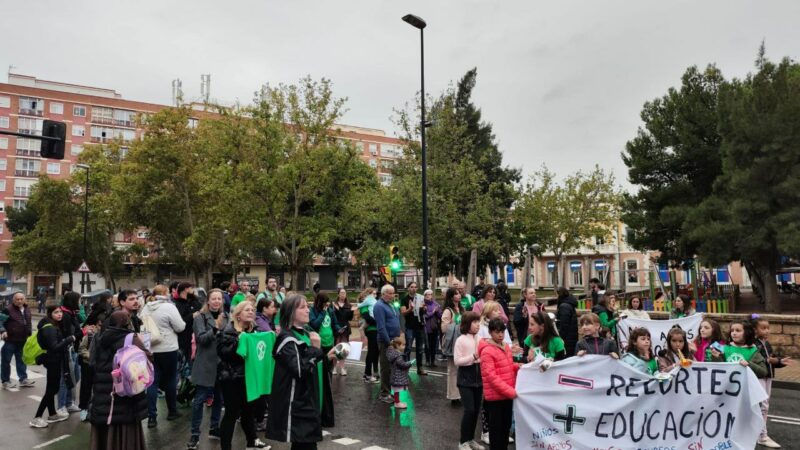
x: 464, y: 446
x: 510, y: 440
x: 485, y: 438
x: 38, y: 423
x: 26, y: 383
x: 73, y: 408
x: 344, y: 372
x: 475, y: 446
x: 9, y: 385
x: 59, y: 417
x: 259, y: 445
x: 768, y: 442
x: 62, y: 412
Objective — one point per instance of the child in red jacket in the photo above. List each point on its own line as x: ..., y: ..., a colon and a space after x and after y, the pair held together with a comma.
x: 499, y: 374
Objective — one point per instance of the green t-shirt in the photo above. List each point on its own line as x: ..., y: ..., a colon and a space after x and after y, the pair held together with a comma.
x: 259, y: 365
x: 278, y: 298
x: 736, y: 354
x: 554, y: 347
x: 467, y: 301
x: 237, y: 298
x: 305, y: 338
x: 326, y: 331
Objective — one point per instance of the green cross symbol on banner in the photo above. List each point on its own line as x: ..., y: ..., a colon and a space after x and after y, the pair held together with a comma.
x: 569, y: 419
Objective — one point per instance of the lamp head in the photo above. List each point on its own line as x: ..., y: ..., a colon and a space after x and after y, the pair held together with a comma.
x: 414, y: 21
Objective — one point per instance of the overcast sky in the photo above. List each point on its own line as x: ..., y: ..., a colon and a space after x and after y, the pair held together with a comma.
x: 563, y: 82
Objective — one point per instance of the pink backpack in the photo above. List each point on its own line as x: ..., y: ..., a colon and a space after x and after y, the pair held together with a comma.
x: 132, y: 372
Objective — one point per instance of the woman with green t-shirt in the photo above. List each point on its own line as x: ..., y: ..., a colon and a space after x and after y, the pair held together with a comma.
x: 543, y: 339
x: 323, y: 321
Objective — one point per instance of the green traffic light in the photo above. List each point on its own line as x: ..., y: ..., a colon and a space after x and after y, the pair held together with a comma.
x: 395, y: 265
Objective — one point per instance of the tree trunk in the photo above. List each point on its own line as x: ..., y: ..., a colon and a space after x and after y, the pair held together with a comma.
x: 769, y: 288
x: 472, y: 270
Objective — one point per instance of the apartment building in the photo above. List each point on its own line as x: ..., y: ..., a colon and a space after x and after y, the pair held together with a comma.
x: 95, y: 116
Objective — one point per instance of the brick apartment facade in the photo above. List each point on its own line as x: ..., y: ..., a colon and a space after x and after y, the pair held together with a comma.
x: 95, y: 116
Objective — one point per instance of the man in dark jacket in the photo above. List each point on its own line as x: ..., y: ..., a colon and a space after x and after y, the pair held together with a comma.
x: 15, y: 332
x: 187, y: 304
x: 129, y: 302
x: 387, y: 319
x: 567, y: 318
x: 413, y: 310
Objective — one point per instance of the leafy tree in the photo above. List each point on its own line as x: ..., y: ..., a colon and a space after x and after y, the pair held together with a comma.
x: 674, y: 160
x: 48, y: 235
x: 753, y: 213
x: 563, y: 217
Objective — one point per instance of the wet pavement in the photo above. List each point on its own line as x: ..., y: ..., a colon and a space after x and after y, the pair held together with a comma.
x: 362, y: 422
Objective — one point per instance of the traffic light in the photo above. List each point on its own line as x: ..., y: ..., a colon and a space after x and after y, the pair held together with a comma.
x: 395, y: 262
x: 53, y: 148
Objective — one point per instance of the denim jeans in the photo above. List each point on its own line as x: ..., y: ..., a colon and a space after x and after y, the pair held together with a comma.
x: 165, y: 368
x: 65, y: 395
x: 12, y: 349
x: 201, y: 395
x: 416, y: 337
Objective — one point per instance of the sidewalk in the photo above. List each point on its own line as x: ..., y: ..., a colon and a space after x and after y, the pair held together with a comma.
x: 788, y: 377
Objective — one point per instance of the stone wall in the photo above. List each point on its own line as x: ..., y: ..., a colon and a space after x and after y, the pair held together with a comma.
x: 784, y: 329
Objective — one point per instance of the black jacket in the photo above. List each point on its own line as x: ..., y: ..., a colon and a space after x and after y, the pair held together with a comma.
x: 295, y: 391
x: 231, y: 365
x: 187, y: 307
x: 765, y: 348
x: 127, y: 410
x: 18, y: 324
x: 521, y: 320
x: 72, y: 326
x: 597, y: 346
x: 567, y: 318
x: 55, y: 341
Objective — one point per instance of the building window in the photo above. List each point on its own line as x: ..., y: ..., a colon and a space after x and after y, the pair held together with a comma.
x: 360, y: 146
x: 599, y: 240
x: 29, y: 126
x: 22, y: 187
x: 633, y: 271
x: 576, y: 271
x: 5, y: 102
x: 3, y: 143
x: 78, y: 130
x: 27, y: 167
x: 31, y: 106
x: 4, y: 123
x: 192, y: 123
x: 28, y: 147
x: 79, y: 111
x: 2, y: 185
x: 102, y: 115
x: 20, y: 204
x: 141, y: 234
x: 3, y: 164
x: 145, y: 253
x: 373, y: 163
x: 2, y: 206
x: 373, y: 148
x: 53, y: 168
x: 56, y: 108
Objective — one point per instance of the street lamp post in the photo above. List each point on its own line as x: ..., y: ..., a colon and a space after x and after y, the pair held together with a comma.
x: 420, y: 24
x: 84, y: 275
x: 530, y: 251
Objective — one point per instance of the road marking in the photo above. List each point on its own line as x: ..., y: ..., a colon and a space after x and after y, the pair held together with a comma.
x: 35, y: 397
x: 52, y: 441
x: 346, y: 441
x: 796, y: 419
x: 325, y: 433
x: 374, y: 447
x: 786, y: 422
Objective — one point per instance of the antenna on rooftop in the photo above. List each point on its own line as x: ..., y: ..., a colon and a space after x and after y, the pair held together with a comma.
x: 205, y: 87
x: 177, y: 92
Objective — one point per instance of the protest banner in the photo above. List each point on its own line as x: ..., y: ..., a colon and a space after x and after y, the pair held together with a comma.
x: 658, y: 329
x: 596, y: 402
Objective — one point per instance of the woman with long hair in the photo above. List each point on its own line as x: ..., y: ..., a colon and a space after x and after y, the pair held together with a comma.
x: 231, y: 377
x: 296, y: 393
x: 344, y: 314
x: 369, y: 334
x: 451, y: 320
x: 323, y: 321
x: 55, y: 341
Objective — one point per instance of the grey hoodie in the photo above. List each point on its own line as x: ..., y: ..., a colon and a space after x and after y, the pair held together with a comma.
x: 167, y: 319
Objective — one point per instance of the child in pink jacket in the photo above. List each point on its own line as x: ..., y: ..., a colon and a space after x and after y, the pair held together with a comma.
x: 499, y: 375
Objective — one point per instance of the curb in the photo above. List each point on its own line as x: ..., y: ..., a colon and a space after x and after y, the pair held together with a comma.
x: 789, y: 385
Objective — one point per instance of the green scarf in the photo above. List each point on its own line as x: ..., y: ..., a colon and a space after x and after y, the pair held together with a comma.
x: 305, y: 338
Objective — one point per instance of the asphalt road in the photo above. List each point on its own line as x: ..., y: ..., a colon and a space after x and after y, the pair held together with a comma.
x: 362, y: 422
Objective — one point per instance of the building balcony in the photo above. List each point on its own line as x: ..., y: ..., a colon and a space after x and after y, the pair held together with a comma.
x: 27, y: 131
x: 31, y: 112
x: 26, y: 173
x: 103, y: 120
x: 125, y: 123
x: 24, y: 193
x: 25, y: 152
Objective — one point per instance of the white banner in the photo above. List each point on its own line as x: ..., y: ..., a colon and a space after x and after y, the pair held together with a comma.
x: 596, y: 402
x: 658, y: 329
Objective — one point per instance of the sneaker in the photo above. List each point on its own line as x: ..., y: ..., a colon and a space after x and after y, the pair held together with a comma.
x: 386, y: 398
x: 59, y: 417
x: 344, y: 372
x: 26, y: 383
x: 259, y: 444
x: 84, y: 415
x: 62, y: 411
x: 485, y: 438
x: 173, y: 415
x: 9, y: 385
x: 475, y: 446
x: 768, y: 442
x: 464, y: 446
x: 73, y: 408
x: 214, y: 433
x: 152, y: 422
x: 336, y: 370
x: 193, y: 443
x: 38, y: 423
x: 375, y: 380
x: 371, y: 380
x: 400, y: 405
x: 510, y: 439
